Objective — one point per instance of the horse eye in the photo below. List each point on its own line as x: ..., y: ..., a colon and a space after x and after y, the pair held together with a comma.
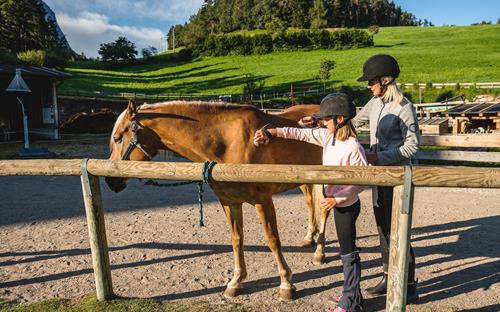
x: 117, y: 139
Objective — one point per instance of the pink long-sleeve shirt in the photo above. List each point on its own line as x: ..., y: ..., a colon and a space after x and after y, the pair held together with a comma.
x: 343, y: 153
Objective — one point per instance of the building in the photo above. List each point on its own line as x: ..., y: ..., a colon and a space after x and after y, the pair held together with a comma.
x: 40, y: 104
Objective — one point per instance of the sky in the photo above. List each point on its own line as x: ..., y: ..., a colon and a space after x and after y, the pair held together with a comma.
x: 88, y: 23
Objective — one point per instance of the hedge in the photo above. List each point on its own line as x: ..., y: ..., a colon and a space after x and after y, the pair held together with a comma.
x: 237, y: 44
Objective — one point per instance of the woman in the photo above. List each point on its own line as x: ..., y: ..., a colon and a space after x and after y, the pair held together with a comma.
x: 340, y: 148
x: 394, y: 140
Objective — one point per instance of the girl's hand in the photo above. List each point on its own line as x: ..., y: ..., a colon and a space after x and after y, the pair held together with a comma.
x: 328, y: 203
x: 260, y: 137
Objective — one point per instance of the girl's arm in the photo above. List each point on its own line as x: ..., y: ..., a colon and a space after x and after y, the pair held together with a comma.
x: 313, y: 136
x: 317, y: 136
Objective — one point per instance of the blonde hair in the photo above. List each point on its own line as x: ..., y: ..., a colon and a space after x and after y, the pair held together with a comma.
x: 392, y: 92
x: 346, y: 132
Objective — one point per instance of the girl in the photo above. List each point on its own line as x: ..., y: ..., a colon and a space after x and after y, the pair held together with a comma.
x: 340, y: 148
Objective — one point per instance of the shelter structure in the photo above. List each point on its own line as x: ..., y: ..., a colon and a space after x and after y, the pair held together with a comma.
x: 41, y: 103
x: 475, y: 116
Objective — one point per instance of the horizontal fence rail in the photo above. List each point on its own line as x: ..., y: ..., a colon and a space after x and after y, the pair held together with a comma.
x: 452, y: 176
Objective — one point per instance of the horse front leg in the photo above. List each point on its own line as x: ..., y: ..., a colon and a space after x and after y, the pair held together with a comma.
x: 267, y: 215
x: 312, y: 227
x: 234, y: 216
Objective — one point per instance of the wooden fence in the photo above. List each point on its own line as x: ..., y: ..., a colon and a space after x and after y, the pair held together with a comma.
x: 403, y: 179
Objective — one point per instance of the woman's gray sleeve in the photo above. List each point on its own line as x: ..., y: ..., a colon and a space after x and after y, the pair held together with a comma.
x: 363, y: 116
x: 411, y: 135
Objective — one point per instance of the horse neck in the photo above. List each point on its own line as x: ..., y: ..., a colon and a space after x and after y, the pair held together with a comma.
x: 193, y: 131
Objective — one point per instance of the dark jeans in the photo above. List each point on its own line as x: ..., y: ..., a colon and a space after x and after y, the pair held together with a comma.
x: 345, y: 224
x: 383, y: 215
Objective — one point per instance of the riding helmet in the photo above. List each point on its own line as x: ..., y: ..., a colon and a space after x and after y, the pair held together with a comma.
x: 336, y: 104
x: 380, y: 65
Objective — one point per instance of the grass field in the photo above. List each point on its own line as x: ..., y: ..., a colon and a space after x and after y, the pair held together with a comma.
x: 90, y: 304
x: 430, y: 54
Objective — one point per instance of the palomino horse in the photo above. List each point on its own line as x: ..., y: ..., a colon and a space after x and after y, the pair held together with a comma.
x: 202, y: 131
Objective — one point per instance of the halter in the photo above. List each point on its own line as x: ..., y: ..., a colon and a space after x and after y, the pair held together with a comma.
x: 134, y: 141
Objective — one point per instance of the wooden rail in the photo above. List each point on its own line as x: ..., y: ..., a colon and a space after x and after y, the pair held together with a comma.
x: 404, y: 180
x: 466, y: 141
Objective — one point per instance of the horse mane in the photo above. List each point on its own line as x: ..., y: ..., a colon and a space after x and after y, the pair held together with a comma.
x: 210, y: 107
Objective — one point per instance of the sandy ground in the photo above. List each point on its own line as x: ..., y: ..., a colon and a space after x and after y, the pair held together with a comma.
x: 157, y: 251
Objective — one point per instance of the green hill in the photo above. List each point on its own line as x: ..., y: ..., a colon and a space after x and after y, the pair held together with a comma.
x: 425, y: 54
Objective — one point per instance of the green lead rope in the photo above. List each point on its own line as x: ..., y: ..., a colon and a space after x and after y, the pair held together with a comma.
x: 207, y: 175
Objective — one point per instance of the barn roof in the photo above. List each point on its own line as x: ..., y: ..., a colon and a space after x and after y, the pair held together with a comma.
x: 32, y: 72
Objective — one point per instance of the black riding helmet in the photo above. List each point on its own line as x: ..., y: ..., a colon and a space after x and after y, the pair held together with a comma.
x: 336, y: 104
x: 380, y: 65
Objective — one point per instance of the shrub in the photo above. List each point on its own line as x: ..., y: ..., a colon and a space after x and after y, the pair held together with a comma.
x: 32, y: 57
x: 374, y: 29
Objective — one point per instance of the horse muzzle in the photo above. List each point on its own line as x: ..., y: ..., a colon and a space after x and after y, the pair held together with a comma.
x: 116, y: 184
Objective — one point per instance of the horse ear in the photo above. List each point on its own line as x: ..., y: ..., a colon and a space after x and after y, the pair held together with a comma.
x: 131, y: 108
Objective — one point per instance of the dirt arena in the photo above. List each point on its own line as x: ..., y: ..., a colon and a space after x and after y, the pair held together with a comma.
x: 157, y: 251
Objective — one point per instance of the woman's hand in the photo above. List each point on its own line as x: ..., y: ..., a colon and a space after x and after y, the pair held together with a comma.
x: 372, y: 158
x: 328, y: 203
x: 310, y: 122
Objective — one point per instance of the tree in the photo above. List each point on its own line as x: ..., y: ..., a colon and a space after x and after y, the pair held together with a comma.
x: 498, y: 20
x: 149, y: 52
x: 119, y: 50
x: 319, y: 15
x: 325, y: 69
x: 23, y: 26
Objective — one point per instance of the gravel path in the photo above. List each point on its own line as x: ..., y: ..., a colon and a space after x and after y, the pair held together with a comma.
x: 157, y: 251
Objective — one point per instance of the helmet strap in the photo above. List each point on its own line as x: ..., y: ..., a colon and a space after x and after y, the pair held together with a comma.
x: 384, y: 85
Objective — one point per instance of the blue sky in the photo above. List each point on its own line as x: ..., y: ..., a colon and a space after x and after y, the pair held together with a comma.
x: 87, y: 23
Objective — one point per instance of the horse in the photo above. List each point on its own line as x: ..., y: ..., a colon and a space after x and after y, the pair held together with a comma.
x: 220, y: 132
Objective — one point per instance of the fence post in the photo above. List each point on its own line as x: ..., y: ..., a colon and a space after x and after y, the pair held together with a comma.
x: 402, y: 209
x: 97, y: 233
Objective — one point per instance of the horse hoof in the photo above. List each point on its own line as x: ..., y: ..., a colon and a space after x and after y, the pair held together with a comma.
x: 308, y: 243
x: 287, y: 294
x: 232, y: 292
x: 318, y: 259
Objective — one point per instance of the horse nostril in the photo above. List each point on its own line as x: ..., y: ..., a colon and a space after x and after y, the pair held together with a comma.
x: 116, y: 184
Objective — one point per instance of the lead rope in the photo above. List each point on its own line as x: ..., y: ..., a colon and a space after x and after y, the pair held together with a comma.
x: 207, y: 174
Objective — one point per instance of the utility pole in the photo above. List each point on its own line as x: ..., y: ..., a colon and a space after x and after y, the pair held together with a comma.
x: 173, y: 39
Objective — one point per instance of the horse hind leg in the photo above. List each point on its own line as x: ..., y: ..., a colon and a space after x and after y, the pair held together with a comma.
x: 319, y: 254
x: 267, y: 215
x: 234, y: 216
x: 312, y: 227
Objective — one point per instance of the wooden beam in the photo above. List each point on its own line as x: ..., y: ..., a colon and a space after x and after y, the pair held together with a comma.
x: 40, y: 167
x: 261, y: 173
x: 455, y: 176
x: 97, y: 233
x: 458, y: 156
x: 402, y: 210
x: 469, y: 140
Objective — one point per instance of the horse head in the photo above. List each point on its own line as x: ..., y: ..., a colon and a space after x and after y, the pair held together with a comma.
x: 130, y: 140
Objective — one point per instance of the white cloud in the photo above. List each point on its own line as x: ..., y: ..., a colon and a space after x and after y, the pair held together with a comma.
x: 88, y: 30
x: 87, y: 23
